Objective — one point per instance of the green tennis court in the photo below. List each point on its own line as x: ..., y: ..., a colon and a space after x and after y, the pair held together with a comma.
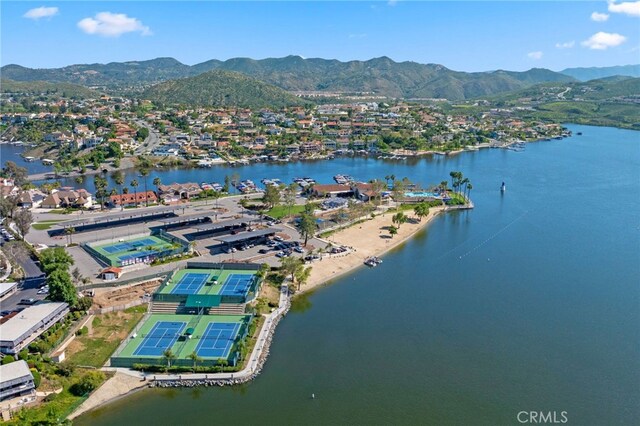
x: 129, y: 252
x: 210, y: 282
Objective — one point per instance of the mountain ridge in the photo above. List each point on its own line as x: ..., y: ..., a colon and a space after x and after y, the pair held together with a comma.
x: 382, y: 75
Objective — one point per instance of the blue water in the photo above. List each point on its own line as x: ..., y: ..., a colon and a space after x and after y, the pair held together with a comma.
x: 529, y: 302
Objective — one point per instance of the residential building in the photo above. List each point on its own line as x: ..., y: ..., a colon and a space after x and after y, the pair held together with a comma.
x: 15, y: 380
x: 25, y: 327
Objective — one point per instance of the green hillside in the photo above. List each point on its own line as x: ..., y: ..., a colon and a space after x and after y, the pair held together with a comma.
x: 66, y: 90
x: 221, y: 88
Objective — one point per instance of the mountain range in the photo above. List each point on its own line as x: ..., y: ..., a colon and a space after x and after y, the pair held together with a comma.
x: 593, y: 73
x: 169, y: 80
x: 382, y: 76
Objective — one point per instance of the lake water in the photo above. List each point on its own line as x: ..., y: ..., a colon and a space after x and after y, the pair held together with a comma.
x: 530, y: 302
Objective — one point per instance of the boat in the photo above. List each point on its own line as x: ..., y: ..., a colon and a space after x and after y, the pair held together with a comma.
x: 372, y: 261
x: 579, y: 133
x: 503, y: 187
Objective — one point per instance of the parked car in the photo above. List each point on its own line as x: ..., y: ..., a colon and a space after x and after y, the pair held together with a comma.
x: 299, y: 249
x: 263, y: 251
x: 29, y: 301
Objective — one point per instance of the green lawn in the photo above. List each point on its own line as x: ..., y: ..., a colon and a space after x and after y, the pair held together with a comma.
x: 44, y: 225
x: 278, y: 212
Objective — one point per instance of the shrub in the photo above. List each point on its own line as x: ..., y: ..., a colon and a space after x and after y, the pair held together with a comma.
x: 65, y: 370
x: 83, y: 304
x: 23, y: 354
x: 82, y: 331
x: 36, y: 377
x: 7, y: 360
x: 87, y: 383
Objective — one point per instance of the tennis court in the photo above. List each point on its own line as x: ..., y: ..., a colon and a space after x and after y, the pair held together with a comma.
x: 160, y: 338
x: 129, y: 245
x: 217, y: 340
x: 237, y: 285
x: 190, y: 283
x: 138, y: 250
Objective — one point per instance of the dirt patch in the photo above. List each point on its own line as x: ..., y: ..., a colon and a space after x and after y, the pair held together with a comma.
x: 116, y: 296
x: 270, y: 293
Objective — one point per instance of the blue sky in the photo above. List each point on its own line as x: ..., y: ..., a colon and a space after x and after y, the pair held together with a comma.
x: 465, y: 36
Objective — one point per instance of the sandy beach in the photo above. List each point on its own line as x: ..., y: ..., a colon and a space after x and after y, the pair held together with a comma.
x: 369, y: 238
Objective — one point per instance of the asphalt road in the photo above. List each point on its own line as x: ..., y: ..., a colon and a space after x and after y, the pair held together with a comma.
x: 152, y: 141
x: 28, y: 288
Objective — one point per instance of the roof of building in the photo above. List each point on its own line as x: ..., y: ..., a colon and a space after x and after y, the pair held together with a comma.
x: 331, y: 188
x: 6, y: 286
x: 222, y: 224
x: 14, y: 370
x: 118, y: 216
x: 247, y: 235
x: 17, y: 326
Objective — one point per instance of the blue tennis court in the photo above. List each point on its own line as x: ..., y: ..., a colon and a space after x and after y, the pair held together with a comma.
x: 128, y: 245
x: 236, y: 284
x: 161, y: 337
x: 191, y: 283
x: 217, y: 340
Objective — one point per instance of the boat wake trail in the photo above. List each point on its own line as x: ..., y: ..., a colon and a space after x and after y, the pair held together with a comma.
x: 500, y: 231
x: 495, y: 234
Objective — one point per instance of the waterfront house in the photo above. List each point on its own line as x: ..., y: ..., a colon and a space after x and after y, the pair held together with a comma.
x: 331, y: 190
x: 178, y: 191
x: 68, y: 198
x: 133, y: 199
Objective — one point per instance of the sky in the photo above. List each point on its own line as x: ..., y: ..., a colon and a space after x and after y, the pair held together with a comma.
x: 464, y: 36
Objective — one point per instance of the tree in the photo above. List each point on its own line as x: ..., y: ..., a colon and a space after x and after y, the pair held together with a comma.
x: 222, y: 363
x: 302, y: 275
x: 399, y: 218
x: 8, y: 205
x: 376, y: 189
x: 227, y: 183
x: 23, y: 220
x: 168, y: 356
x: 144, y: 173
x: 87, y: 383
x: 421, y: 210
x: 271, y: 196
x: 61, y: 288
x: 119, y: 179
x: 307, y: 225
x: 398, y: 189
x: 469, y: 188
x: 55, y: 258
x: 290, y: 266
x: 12, y: 171
x: 393, y: 231
x: 69, y: 232
x: 134, y: 185
x: 290, y: 197
x: 76, y: 274
x: 193, y: 356
x: 100, y: 184
x: 157, y: 182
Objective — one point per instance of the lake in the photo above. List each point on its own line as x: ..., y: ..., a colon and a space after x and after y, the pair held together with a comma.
x: 530, y: 302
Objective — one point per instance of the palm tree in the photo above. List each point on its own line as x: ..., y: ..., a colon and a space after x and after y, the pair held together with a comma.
x: 134, y: 185
x: 302, y: 275
x: 444, y: 185
x: 393, y: 231
x: 169, y: 356
x: 222, y: 363
x: 421, y: 210
x: 144, y: 173
x: 195, y: 358
x: 464, y: 182
x: 119, y: 179
x: 157, y: 182
x: 399, y: 218
x: 70, y: 231
x: 469, y: 188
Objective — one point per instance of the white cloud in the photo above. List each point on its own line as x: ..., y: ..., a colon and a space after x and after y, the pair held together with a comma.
x: 566, y: 45
x: 112, y: 25
x: 599, y: 17
x: 602, y: 40
x: 41, y: 12
x: 535, y: 55
x: 631, y: 8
